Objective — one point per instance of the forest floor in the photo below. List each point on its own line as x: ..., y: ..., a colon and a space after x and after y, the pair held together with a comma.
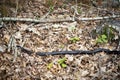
x: 56, y: 36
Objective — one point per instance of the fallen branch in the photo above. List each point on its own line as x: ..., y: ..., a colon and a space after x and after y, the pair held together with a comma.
x: 34, y: 20
x: 55, y: 20
x: 98, y: 18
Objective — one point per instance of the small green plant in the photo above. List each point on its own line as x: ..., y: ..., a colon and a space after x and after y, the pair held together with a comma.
x: 79, y: 11
x: 102, y: 39
x: 51, y: 8
x: 74, y: 39
x: 49, y: 66
x: 109, y: 32
x: 61, y: 62
x: 104, y: 34
x: 50, y: 4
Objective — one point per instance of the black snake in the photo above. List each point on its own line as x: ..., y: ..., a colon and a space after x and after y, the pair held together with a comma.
x: 75, y: 52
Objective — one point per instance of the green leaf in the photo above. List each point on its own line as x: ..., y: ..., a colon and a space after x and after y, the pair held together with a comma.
x: 103, y: 36
x: 51, y: 8
x: 63, y: 65
x: 102, y: 39
x: 99, y: 41
x: 50, y: 65
x: 74, y: 39
x: 60, y: 61
x: 105, y: 41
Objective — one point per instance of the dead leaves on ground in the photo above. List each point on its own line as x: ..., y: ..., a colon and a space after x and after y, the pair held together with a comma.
x: 49, y: 37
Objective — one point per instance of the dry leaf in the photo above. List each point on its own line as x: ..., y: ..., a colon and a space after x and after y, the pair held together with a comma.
x: 18, y: 35
x: 23, y: 27
x: 3, y: 48
x: 84, y: 73
x: 6, y: 38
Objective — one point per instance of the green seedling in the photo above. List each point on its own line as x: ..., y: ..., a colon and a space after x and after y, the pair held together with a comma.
x: 104, y: 34
x: 79, y: 11
x: 49, y: 66
x: 61, y: 62
x: 109, y: 32
x: 50, y: 4
x: 51, y: 8
x: 102, y: 39
x: 74, y: 39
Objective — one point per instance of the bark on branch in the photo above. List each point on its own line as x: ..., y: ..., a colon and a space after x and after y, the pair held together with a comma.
x: 56, y: 20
